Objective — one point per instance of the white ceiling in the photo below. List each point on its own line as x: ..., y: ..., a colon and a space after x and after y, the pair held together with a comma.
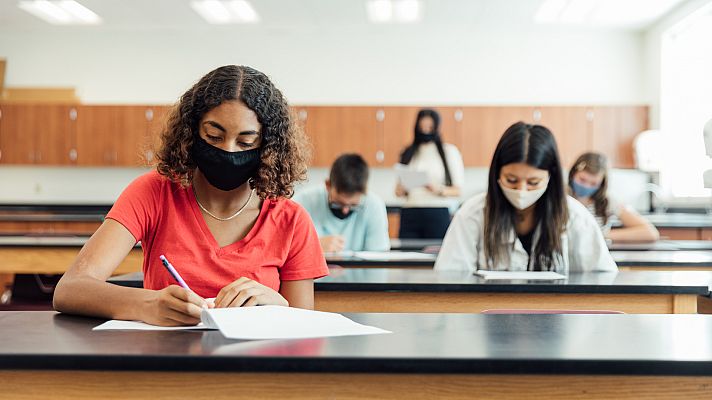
x: 281, y: 14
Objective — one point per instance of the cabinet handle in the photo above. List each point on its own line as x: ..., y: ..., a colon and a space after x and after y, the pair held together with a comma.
x: 303, y: 115
x: 536, y: 115
x: 458, y: 115
x: 380, y: 115
x: 590, y: 115
x: 380, y: 156
x: 72, y: 114
x: 149, y: 114
x: 73, y: 155
x: 149, y: 156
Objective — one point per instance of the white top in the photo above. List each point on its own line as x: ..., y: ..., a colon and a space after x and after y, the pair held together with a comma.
x: 428, y: 159
x: 582, y: 243
x: 613, y: 212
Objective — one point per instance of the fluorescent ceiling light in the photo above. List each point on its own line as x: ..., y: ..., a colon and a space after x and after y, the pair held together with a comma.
x: 399, y: 11
x: 622, y: 13
x: 225, y: 12
x: 63, y: 12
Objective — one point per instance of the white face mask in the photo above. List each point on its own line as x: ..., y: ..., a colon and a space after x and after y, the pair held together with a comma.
x: 522, y: 199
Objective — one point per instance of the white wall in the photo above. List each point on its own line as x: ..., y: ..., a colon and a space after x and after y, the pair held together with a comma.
x: 400, y: 65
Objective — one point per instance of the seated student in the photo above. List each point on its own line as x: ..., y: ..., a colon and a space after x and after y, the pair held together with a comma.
x: 524, y: 221
x: 216, y: 208
x: 345, y: 216
x: 588, y: 183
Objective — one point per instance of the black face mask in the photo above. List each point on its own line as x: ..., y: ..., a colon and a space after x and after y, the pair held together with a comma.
x: 339, y: 212
x: 225, y: 170
x: 424, y: 137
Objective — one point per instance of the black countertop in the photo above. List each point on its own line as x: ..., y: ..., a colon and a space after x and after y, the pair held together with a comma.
x: 421, y: 343
x: 411, y: 280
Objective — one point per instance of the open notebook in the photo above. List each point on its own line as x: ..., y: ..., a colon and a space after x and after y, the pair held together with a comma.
x: 263, y: 322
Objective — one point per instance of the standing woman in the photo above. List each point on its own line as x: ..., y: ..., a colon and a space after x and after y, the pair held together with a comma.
x: 525, y: 221
x: 216, y: 207
x: 588, y: 183
x: 426, y: 211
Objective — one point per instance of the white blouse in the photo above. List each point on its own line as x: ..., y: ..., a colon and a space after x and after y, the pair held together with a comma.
x: 583, y: 245
x: 428, y: 159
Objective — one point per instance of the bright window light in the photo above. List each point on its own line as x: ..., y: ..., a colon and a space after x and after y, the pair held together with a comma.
x: 686, y: 104
x: 63, y: 12
x: 394, y: 11
x: 225, y: 12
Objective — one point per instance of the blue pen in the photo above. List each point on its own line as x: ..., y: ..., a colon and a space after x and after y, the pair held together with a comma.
x: 173, y: 272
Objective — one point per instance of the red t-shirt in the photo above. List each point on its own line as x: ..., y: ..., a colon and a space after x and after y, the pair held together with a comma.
x: 165, y: 218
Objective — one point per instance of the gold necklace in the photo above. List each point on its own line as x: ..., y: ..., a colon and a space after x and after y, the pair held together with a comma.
x: 252, y: 192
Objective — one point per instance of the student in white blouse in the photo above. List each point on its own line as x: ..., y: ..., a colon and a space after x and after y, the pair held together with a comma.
x: 426, y: 211
x: 525, y: 220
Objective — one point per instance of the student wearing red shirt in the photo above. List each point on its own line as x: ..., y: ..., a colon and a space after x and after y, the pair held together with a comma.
x: 217, y: 207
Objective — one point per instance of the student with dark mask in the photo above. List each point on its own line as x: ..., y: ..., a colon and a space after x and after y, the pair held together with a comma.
x: 346, y: 216
x: 217, y: 207
x: 525, y: 220
x: 588, y: 183
x: 426, y: 211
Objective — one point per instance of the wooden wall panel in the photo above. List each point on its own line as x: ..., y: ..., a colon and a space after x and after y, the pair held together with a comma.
x: 614, y: 128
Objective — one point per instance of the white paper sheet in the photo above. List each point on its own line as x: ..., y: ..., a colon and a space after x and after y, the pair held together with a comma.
x: 525, y: 275
x: 275, y: 322
x: 263, y: 322
x: 411, y: 179
x: 394, y: 256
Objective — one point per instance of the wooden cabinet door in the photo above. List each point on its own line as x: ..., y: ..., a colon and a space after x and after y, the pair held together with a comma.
x: 94, y: 143
x: 337, y: 130
x: 571, y: 128
x: 111, y: 135
x: 614, y: 129
x: 35, y: 134
x: 157, y: 121
x: 482, y: 127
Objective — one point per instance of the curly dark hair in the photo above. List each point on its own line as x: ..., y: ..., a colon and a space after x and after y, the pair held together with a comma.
x: 284, y: 152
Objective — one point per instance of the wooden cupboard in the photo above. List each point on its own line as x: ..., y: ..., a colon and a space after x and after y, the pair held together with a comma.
x: 129, y: 135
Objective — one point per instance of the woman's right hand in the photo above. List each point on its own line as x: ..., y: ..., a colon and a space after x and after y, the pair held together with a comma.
x: 174, y: 306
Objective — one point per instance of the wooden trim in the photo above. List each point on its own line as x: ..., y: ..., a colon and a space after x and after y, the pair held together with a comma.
x: 408, y: 302
x: 78, y: 385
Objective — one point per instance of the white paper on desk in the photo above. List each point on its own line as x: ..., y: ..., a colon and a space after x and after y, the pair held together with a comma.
x: 263, y: 322
x: 523, y: 275
x: 394, y: 256
x: 411, y: 179
x: 276, y: 322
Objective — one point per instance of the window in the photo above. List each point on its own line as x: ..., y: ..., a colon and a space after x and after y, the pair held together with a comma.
x: 686, y: 103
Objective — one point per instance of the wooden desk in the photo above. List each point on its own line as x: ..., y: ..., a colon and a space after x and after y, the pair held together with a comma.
x: 664, y: 245
x: 43, y: 355
x: 51, y: 255
x: 408, y: 290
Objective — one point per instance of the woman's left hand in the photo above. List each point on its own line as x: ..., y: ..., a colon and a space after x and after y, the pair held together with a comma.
x: 436, y: 190
x: 245, y: 292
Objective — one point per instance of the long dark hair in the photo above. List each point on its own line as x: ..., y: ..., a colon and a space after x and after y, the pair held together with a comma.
x: 594, y: 163
x: 535, y: 146
x: 410, y: 151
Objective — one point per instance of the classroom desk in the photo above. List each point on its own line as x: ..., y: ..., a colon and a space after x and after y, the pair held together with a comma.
x: 51, y: 254
x: 410, y: 290
x: 663, y: 260
x: 354, y: 261
x: 414, y: 244
x: 44, y: 354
